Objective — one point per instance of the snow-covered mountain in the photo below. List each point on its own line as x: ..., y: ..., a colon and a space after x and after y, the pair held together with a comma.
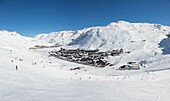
x: 145, y: 42
x: 114, y: 35
x: 42, y: 78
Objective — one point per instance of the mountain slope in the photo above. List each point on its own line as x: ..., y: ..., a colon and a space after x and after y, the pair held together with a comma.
x: 114, y: 35
x: 41, y: 78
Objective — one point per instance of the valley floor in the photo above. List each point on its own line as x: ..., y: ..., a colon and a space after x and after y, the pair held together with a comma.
x: 55, y: 82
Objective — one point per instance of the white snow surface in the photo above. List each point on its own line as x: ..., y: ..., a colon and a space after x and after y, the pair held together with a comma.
x: 43, y: 78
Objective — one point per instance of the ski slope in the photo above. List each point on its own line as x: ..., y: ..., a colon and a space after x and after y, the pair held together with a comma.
x: 43, y: 78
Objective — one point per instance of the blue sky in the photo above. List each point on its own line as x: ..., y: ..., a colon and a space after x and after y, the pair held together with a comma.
x: 31, y: 17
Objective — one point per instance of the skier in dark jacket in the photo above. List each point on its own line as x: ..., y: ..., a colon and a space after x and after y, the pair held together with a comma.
x: 16, y: 67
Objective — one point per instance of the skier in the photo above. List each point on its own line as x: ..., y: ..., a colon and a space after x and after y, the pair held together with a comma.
x: 16, y: 67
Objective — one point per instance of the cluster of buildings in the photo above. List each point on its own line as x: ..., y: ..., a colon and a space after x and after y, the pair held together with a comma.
x: 89, y: 57
x: 86, y: 57
x: 43, y: 46
x: 130, y: 66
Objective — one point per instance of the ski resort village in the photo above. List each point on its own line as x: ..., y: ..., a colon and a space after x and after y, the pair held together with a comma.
x: 89, y: 57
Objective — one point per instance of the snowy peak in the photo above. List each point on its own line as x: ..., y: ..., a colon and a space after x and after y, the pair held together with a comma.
x: 119, y: 22
x: 5, y: 32
x: 128, y: 25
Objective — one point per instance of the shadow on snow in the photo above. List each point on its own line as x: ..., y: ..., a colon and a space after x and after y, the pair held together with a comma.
x: 165, y: 45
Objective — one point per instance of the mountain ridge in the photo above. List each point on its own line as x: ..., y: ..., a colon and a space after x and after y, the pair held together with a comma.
x: 85, y: 37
